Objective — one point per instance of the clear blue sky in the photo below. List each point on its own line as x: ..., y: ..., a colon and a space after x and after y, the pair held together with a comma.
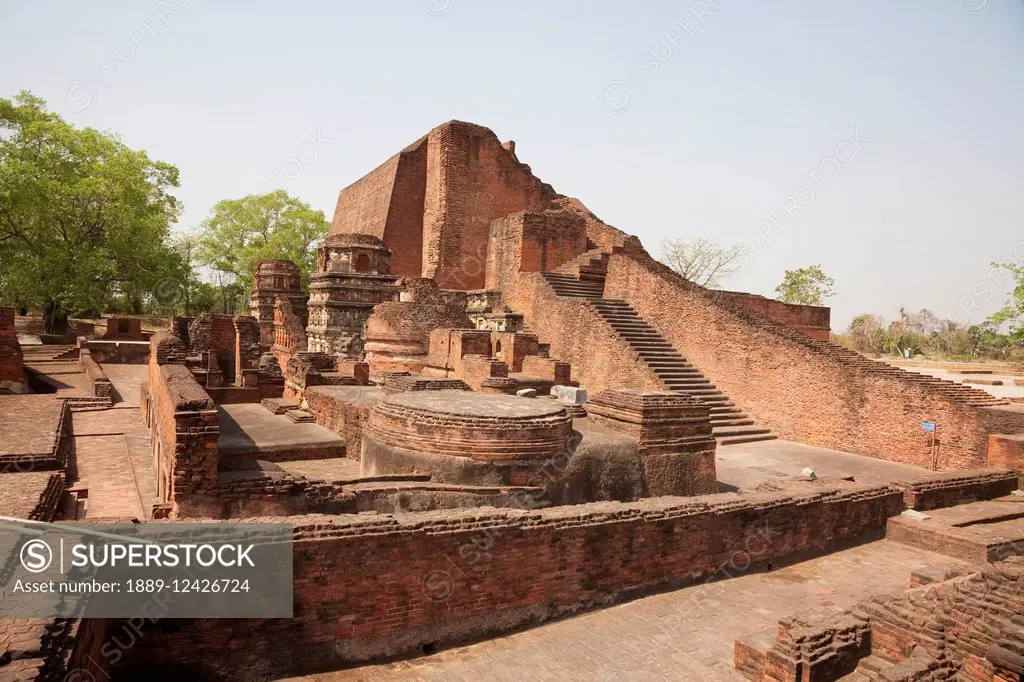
x: 666, y: 119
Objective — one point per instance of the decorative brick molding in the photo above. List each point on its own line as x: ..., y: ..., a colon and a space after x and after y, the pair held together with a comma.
x: 479, y: 427
x: 673, y: 433
x: 273, y: 279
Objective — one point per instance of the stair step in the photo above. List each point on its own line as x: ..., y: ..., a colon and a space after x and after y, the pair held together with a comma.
x: 299, y: 416
x: 279, y: 405
x: 739, y: 431
x: 736, y: 440
x: 731, y: 422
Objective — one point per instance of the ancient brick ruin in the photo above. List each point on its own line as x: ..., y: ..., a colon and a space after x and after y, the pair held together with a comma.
x: 492, y: 410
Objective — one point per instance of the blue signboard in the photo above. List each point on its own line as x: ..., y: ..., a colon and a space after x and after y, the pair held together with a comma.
x: 927, y: 426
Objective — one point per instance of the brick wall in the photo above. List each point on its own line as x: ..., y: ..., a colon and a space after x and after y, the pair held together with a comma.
x: 183, y: 424
x: 812, y: 320
x: 101, y: 386
x: 403, y: 593
x: 343, y: 410
x: 827, y: 402
x: 388, y: 203
x: 247, y: 349
x: 216, y: 333
x: 10, y: 350
x: 1006, y: 452
x: 964, y: 628
x: 471, y: 179
x: 950, y: 489
x: 532, y: 242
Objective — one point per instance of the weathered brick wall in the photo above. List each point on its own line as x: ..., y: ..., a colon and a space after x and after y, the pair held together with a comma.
x: 242, y: 495
x: 343, y: 412
x: 532, y: 242
x: 1006, y: 452
x: 10, y: 351
x: 812, y: 320
x: 388, y: 203
x: 963, y: 618
x: 183, y: 425
x: 827, y: 402
x: 215, y: 333
x: 404, y: 594
x: 950, y: 489
x: 471, y: 179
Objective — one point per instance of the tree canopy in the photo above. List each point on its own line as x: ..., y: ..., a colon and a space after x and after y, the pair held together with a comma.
x: 1012, y: 312
x: 806, y: 286
x: 241, y: 233
x: 80, y: 213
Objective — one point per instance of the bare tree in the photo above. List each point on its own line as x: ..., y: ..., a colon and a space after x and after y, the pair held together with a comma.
x: 702, y: 261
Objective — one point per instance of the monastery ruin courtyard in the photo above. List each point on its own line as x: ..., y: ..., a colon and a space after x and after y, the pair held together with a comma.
x: 508, y: 443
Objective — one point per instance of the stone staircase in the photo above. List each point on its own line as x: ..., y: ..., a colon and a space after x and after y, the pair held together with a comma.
x: 583, y: 278
x: 729, y: 423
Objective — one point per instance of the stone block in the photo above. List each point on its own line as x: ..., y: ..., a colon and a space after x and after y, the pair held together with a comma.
x: 527, y: 393
x: 572, y: 395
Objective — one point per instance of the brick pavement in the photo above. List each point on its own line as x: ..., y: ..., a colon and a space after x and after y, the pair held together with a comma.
x: 127, y: 380
x: 686, y: 634
x: 113, y: 458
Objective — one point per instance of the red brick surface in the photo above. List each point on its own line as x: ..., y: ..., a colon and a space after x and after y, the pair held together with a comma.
x: 10, y: 350
x: 800, y: 393
x: 812, y: 320
x: 403, y: 591
x: 1006, y: 452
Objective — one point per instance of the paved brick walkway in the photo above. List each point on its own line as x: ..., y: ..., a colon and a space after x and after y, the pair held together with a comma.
x: 687, y: 634
x: 127, y: 380
x: 113, y: 456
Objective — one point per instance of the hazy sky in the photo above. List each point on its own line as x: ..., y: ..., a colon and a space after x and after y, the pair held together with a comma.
x: 880, y: 139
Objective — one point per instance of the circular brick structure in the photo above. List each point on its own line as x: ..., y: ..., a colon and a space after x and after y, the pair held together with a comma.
x: 465, y: 437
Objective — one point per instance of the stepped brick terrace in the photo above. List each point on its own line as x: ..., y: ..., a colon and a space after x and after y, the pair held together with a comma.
x: 511, y: 443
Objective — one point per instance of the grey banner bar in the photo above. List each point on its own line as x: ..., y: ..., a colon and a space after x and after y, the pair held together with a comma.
x: 156, y: 570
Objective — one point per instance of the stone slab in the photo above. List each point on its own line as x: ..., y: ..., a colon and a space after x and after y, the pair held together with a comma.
x: 572, y: 395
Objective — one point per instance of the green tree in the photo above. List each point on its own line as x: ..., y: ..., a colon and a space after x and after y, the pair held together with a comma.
x: 241, y: 233
x: 702, y: 261
x: 1012, y: 312
x: 80, y: 214
x: 181, y: 290
x: 867, y: 334
x: 806, y: 286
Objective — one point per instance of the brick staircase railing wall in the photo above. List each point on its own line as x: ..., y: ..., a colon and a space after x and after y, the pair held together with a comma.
x: 812, y: 320
x: 376, y: 607
x: 600, y: 359
x: 799, y: 392
x: 10, y: 350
